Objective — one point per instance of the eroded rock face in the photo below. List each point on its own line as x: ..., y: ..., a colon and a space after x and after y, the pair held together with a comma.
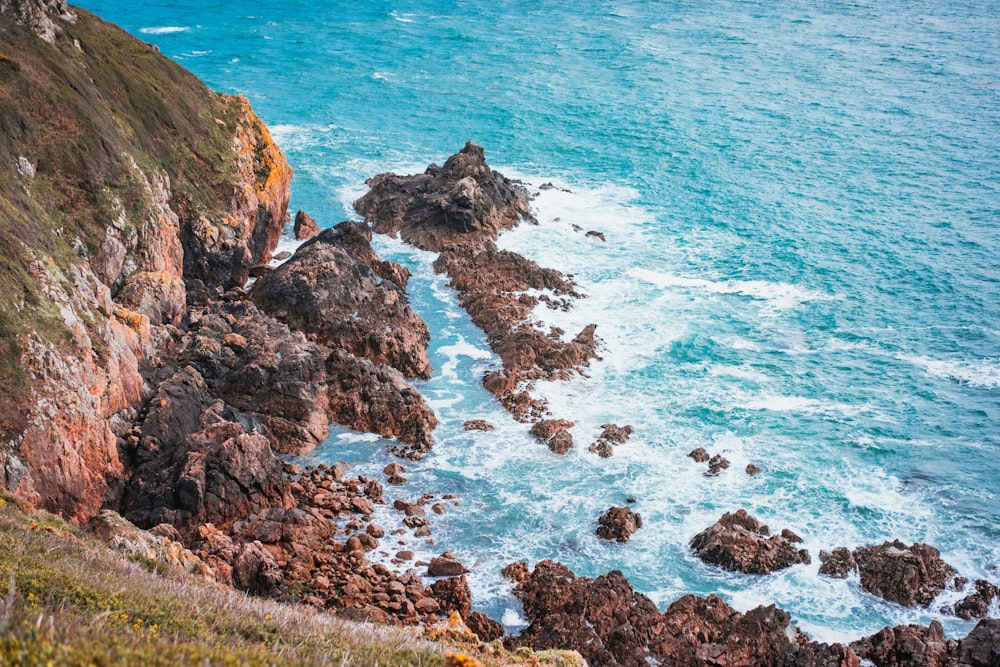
x: 42, y: 16
x: 305, y: 227
x: 908, y: 575
x: 462, y: 203
x: 618, y: 524
x: 741, y: 543
x: 907, y: 646
x: 978, y: 603
x: 341, y: 302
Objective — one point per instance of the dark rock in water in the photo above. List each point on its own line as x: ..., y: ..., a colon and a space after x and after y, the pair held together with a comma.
x: 837, y: 564
x: 393, y: 469
x: 377, y: 399
x: 462, y: 203
x: 906, y: 646
x: 741, y: 543
x: 453, y: 594
x: 908, y: 575
x: 752, y: 469
x: 596, y: 235
x: 484, y: 627
x: 618, y: 523
x: 338, y: 300
x: 977, y: 604
x: 610, y: 624
x: 282, y: 256
x: 446, y: 565
x: 478, y: 425
x: 305, y: 227
x: 554, y: 434
x: 716, y: 464
x: 699, y: 455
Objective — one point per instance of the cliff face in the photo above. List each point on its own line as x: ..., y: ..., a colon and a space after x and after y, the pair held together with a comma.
x: 126, y: 186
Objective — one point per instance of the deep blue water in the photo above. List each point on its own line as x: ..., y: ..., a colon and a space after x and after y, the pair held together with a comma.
x: 802, y: 211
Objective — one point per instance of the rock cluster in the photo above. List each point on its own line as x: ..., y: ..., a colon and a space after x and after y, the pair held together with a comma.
x: 926, y: 646
x: 458, y: 210
x: 741, y: 543
x: 611, y: 435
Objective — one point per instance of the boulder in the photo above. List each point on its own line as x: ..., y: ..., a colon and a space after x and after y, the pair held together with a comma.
x: 478, y: 425
x: 906, y: 646
x: 837, y: 564
x: 484, y: 627
x: 977, y: 604
x: 618, y: 524
x: 453, y: 594
x: 255, y: 571
x: 739, y: 542
x: 611, y: 434
x: 445, y: 565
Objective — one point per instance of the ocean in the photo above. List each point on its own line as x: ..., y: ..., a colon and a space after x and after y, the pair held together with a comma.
x: 801, y: 205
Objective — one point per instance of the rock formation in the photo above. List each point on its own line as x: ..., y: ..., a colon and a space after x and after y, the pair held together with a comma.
x: 305, y: 227
x: 741, y: 543
x: 459, y: 210
x: 908, y: 575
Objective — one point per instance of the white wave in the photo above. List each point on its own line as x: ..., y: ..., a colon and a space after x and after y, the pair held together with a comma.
x: 511, y: 618
x: 800, y: 404
x: 779, y: 296
x: 978, y: 373
x: 164, y: 30
x: 402, y: 18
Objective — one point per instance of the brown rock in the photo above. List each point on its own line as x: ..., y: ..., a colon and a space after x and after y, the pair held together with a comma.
x: 478, y: 425
x: 445, y: 565
x: 554, y: 434
x: 716, y: 464
x: 393, y: 469
x: 981, y: 648
x: 611, y: 435
x: 484, y: 627
x: 255, y: 571
x: 427, y: 606
x: 977, y: 604
x: 596, y: 235
x: 752, y: 469
x: 618, y: 523
x: 905, y: 646
x: 305, y: 227
x: 404, y: 555
x: 739, y: 542
x: 699, y: 455
x: 908, y: 575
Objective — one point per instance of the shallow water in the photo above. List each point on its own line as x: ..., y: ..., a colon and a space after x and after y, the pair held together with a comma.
x: 801, y: 271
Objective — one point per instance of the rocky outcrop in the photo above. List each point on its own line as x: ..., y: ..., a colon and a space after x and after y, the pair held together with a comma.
x: 908, y: 575
x: 462, y: 203
x: 977, y: 604
x: 907, y: 646
x: 618, y: 524
x: 305, y: 227
x: 610, y: 624
x: 459, y: 210
x: 611, y: 435
x: 44, y: 17
x: 741, y: 543
x: 340, y: 301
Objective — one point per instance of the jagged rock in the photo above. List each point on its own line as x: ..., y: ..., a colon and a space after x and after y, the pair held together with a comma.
x: 837, y: 564
x: 977, y: 604
x: 484, y: 627
x: 461, y: 203
x: 453, y: 594
x: 981, y: 648
x: 393, y: 469
x: 328, y: 292
x: 305, y: 227
x: 554, y: 434
x: 752, y: 469
x: 595, y: 234
x: 618, y: 523
x: 716, y: 464
x: 908, y: 575
x: 445, y: 565
x: 42, y: 16
x: 478, y: 425
x: 740, y: 542
x: 815, y: 654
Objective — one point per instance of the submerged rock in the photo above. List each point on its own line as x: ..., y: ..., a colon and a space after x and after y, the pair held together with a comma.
x: 740, y: 542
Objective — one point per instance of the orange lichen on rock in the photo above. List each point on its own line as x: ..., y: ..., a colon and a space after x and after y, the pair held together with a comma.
x: 452, y: 629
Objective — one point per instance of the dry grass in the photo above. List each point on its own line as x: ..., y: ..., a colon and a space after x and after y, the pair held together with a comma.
x: 71, y: 601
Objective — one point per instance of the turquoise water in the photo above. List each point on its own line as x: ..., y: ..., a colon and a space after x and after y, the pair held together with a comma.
x: 802, y: 267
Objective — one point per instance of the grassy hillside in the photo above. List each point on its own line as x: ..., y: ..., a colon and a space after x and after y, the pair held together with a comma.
x: 89, y: 113
x: 72, y: 601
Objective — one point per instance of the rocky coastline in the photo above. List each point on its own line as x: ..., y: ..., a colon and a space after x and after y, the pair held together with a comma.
x: 159, y: 395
